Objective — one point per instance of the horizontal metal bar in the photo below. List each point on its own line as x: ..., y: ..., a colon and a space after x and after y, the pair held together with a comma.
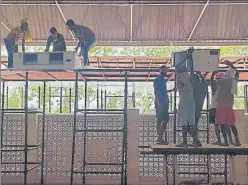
x: 19, y: 111
x: 199, y: 173
x: 9, y: 146
x: 103, y: 113
x: 95, y: 172
x: 117, y: 96
x: 119, y: 3
x: 21, y: 163
x: 102, y: 164
x: 12, y: 171
x: 100, y: 110
x: 12, y: 150
x: 100, y: 130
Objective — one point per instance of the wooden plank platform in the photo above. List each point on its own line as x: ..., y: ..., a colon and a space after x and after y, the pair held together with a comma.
x: 206, y: 149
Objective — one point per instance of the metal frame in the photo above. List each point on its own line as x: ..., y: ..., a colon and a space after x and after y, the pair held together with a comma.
x: 101, y: 111
x: 26, y: 147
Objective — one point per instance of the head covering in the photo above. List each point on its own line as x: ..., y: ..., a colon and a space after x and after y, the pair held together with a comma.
x: 70, y: 22
x: 28, y: 36
x: 220, y: 75
x: 25, y: 21
x: 231, y: 73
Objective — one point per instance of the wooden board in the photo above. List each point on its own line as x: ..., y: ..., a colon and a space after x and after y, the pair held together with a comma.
x: 205, y: 149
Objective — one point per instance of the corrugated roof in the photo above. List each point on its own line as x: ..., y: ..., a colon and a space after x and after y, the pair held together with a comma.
x: 110, y: 69
x: 220, y: 24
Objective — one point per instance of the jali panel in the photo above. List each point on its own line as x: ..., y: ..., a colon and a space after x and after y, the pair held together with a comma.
x: 13, y: 134
x: 100, y: 146
x: 188, y: 166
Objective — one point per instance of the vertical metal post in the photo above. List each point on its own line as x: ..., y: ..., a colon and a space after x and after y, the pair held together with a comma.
x: 124, y: 145
x: 209, y: 169
x: 133, y: 99
x: 84, y: 127
x: 2, y: 118
x: 22, y: 98
x: 166, y: 170
x: 26, y: 130
x: 43, y: 132
x: 171, y: 100
x: 105, y: 99
x: 50, y: 101
x: 60, y: 99
x: 39, y: 97
x: 7, y: 97
x: 175, y: 129
x: 225, y: 170
x: 97, y: 97
x: 208, y: 127
x: 70, y: 100
x: 245, y: 98
x: 74, y: 128
x: 101, y: 99
x: 175, y: 113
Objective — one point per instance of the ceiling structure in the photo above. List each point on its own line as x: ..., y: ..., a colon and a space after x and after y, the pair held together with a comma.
x: 108, y: 69
x: 135, y: 22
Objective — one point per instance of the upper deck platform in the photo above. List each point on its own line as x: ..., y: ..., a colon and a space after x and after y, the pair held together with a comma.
x: 140, y: 69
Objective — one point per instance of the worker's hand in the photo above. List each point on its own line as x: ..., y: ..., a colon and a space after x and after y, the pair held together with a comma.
x: 198, y: 72
x: 46, y: 50
x: 215, y: 72
x: 228, y: 63
x: 76, y: 49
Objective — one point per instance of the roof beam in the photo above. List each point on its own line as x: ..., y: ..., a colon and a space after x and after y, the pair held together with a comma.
x: 198, y: 20
x: 124, y: 2
x: 6, y: 27
x: 63, y: 16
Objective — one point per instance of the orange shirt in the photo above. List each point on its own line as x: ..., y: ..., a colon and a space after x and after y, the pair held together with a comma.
x: 15, y: 34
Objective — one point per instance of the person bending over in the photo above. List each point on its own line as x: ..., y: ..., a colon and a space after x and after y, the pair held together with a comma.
x: 57, y: 40
x: 13, y: 37
x: 186, y: 107
x: 87, y: 39
x: 161, y: 105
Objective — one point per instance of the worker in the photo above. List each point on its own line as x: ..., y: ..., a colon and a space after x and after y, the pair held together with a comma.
x: 87, y: 39
x: 186, y: 106
x: 21, y: 32
x: 161, y: 105
x: 57, y: 40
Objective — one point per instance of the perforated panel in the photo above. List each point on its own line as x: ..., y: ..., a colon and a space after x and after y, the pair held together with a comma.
x: 100, y: 146
x: 152, y: 165
x: 13, y: 134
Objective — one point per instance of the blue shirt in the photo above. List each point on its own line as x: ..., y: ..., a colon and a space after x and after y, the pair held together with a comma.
x: 160, y: 89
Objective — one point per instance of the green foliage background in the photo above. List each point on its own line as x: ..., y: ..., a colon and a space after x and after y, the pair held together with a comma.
x: 144, y: 100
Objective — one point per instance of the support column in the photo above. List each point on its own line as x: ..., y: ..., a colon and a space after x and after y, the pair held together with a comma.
x: 32, y: 140
x: 238, y: 165
x: 133, y: 146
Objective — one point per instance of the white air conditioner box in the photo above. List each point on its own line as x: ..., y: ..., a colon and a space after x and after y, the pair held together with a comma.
x: 204, y: 60
x: 46, y: 61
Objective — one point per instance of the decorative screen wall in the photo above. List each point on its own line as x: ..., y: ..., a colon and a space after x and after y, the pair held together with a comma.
x: 102, y: 146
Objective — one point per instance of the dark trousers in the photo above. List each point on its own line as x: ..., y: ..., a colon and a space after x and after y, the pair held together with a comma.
x: 85, y: 48
x: 11, y: 48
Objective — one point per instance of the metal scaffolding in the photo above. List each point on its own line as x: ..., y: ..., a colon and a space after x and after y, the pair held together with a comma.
x: 25, y: 148
x: 86, y: 111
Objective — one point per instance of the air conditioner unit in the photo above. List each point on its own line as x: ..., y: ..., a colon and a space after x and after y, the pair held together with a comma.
x: 46, y: 61
x: 204, y: 60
